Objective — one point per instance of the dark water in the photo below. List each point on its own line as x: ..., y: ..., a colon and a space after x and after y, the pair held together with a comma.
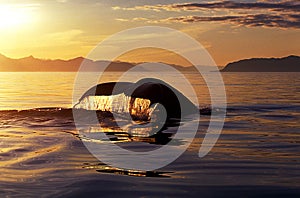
x: 257, y: 154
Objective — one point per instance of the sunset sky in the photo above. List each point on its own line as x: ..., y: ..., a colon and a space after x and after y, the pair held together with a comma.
x: 229, y: 30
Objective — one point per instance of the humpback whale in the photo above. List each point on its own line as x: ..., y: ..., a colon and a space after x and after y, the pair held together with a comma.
x: 155, y: 90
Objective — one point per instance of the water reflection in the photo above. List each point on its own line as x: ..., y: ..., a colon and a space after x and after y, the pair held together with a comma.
x: 129, y: 141
x: 121, y: 130
x: 103, y: 168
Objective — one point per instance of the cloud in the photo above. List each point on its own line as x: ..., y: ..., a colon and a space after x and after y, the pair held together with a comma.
x: 156, y: 8
x: 62, y: 38
x: 273, y: 6
x: 264, y: 20
x: 267, y: 13
x: 62, y: 1
x: 122, y: 20
x: 292, y: 5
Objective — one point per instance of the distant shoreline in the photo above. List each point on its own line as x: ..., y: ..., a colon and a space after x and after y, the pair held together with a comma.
x: 285, y: 64
x: 32, y: 64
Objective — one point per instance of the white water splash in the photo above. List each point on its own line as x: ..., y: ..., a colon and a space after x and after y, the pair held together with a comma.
x: 119, y: 103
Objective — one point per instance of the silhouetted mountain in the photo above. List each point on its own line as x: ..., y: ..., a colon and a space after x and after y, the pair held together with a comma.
x: 32, y: 64
x: 286, y: 64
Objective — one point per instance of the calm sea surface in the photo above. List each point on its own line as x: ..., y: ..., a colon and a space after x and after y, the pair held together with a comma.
x: 257, y: 154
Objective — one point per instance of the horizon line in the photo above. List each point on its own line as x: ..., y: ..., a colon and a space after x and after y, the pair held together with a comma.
x: 121, y: 61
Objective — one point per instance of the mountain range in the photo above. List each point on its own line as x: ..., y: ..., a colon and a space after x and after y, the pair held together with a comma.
x: 32, y: 64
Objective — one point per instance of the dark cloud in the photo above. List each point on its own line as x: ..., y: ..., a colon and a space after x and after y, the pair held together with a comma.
x: 281, y: 13
x: 275, y: 6
x: 253, y: 20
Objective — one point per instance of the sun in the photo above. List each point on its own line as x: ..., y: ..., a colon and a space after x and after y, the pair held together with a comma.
x: 13, y: 16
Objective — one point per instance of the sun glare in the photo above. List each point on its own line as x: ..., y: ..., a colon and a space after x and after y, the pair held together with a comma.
x: 13, y: 16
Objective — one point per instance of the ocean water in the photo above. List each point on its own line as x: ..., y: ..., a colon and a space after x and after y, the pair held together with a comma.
x: 257, y: 154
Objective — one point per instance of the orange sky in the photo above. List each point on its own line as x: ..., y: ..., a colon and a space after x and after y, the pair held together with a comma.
x: 229, y: 30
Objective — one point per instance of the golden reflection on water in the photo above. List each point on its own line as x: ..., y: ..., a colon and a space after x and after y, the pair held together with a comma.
x: 102, y: 168
x: 23, y: 151
x: 28, y: 154
x: 26, y: 90
x: 261, y: 146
